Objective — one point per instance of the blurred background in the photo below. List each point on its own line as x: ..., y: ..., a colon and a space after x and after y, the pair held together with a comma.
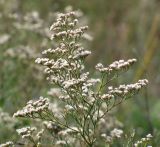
x: 119, y: 29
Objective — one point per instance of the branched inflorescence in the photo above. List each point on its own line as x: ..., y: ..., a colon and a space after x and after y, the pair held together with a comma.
x: 28, y: 133
x: 85, y: 101
x: 33, y: 107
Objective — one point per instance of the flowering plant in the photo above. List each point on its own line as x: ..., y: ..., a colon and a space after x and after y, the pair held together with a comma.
x: 83, y: 102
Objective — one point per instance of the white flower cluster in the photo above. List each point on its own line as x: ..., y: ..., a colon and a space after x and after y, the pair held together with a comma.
x: 123, y: 90
x: 81, y: 53
x: 69, y: 55
x: 120, y: 65
x: 33, y: 107
x: 116, y: 133
x: 73, y: 82
x: 61, y: 21
x: 70, y: 34
x: 7, y: 144
x: 62, y: 48
x: 59, y: 50
x: 26, y: 132
x: 143, y: 140
x: 107, y: 96
x: 60, y: 31
x: 86, y: 87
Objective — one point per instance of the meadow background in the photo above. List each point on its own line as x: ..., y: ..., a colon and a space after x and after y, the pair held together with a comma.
x: 120, y: 29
